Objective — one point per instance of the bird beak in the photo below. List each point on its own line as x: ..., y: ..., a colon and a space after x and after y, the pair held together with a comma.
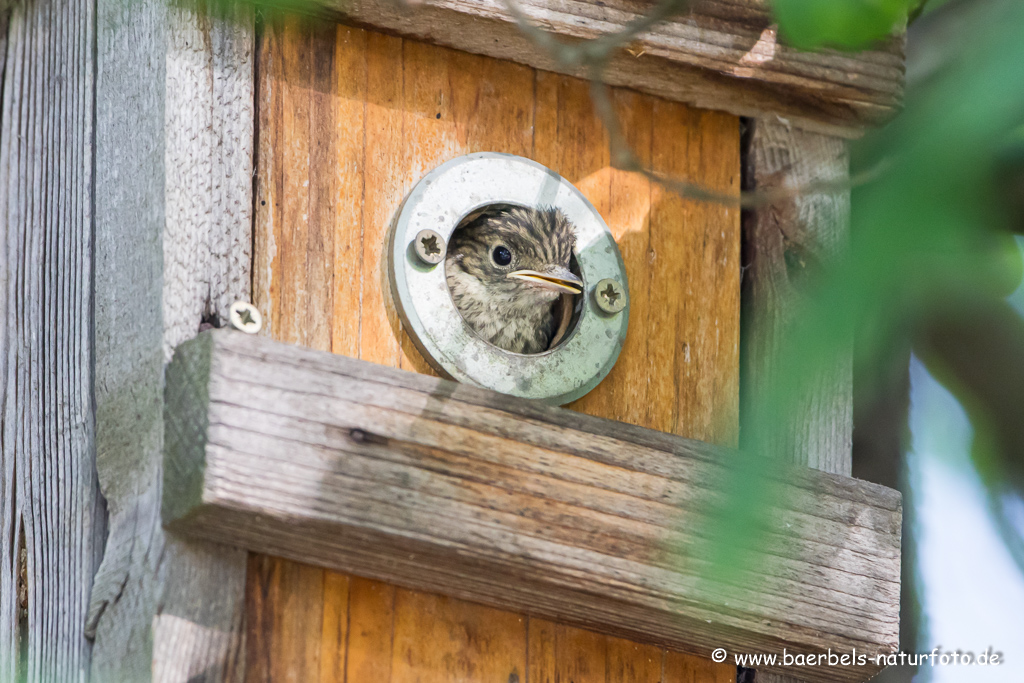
x: 558, y: 278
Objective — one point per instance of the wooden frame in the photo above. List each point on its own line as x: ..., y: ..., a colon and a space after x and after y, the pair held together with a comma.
x: 720, y: 55
x: 159, y: 169
x: 441, y: 487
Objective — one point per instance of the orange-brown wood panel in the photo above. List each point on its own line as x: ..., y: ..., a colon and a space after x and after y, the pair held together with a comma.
x: 371, y: 630
x: 348, y: 121
x: 284, y: 621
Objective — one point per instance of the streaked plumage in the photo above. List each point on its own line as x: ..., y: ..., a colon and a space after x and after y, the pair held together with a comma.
x: 512, y: 305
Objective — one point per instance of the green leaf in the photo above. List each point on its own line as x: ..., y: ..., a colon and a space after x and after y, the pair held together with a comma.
x: 844, y: 24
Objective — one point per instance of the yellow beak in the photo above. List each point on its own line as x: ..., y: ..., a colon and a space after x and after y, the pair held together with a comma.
x: 560, y: 279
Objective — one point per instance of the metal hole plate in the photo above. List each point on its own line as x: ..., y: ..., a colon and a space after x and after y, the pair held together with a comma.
x: 439, y: 202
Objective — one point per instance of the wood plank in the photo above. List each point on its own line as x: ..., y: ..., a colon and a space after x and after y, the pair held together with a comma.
x: 563, y: 653
x: 696, y: 244
x: 371, y: 636
x: 286, y: 619
x: 349, y: 154
x: 721, y: 55
x: 163, y: 608
x: 360, y: 468
x: 410, y: 106
x: 679, y: 669
x: 567, y: 653
x: 334, y: 639
x: 52, y: 517
x: 208, y: 165
x: 630, y: 662
x: 784, y: 245
x: 438, y: 639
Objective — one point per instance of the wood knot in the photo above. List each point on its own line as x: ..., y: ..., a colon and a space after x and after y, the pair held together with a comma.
x: 361, y: 436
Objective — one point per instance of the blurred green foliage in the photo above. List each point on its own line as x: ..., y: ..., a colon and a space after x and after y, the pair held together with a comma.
x: 846, y: 24
x: 931, y: 261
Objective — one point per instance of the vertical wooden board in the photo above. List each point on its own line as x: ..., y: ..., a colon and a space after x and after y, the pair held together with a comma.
x: 384, y: 182
x: 322, y: 219
x: 292, y: 153
x: 371, y: 631
x: 709, y: 399
x: 630, y: 662
x: 269, y: 181
x: 561, y: 653
x: 695, y: 276
x: 680, y: 668
x: 439, y: 639
x: 671, y: 237
x: 334, y: 634
x: 492, y: 104
x: 427, y: 107
x: 295, y: 231
x: 541, y: 661
x: 284, y: 621
x: 623, y: 395
x: 565, y: 653
x: 569, y: 137
x: 349, y: 107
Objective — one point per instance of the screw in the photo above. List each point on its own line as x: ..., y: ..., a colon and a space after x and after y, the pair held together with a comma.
x: 429, y: 246
x: 610, y: 296
x: 245, y: 317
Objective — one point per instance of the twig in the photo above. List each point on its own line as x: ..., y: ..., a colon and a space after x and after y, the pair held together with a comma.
x: 593, y: 55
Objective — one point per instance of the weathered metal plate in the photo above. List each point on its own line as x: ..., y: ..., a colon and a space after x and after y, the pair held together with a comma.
x: 439, y: 202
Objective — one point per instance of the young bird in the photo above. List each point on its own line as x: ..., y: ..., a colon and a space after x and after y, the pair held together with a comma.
x: 506, y: 270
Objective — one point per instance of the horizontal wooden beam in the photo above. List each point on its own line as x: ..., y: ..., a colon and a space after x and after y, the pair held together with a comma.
x: 443, y: 487
x: 722, y: 55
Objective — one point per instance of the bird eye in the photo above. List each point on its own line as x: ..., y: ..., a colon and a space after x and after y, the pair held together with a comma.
x: 502, y: 256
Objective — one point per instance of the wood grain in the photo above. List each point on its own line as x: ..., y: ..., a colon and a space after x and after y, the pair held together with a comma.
x: 399, y: 108
x: 455, y: 103
x: 786, y: 246
x: 172, y: 188
x: 371, y: 633
x: 51, y: 511
x: 297, y: 615
x: 444, y: 487
x: 723, y: 55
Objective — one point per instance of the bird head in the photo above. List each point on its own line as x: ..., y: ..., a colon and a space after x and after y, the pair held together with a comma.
x: 518, y: 257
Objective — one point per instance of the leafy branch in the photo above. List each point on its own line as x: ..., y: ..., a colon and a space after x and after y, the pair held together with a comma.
x: 593, y: 55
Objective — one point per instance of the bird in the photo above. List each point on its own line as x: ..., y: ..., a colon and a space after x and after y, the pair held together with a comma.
x: 507, y: 269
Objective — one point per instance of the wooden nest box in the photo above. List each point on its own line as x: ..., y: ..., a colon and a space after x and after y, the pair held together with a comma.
x: 314, y: 504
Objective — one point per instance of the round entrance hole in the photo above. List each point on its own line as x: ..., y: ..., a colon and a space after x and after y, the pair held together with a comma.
x: 450, y: 198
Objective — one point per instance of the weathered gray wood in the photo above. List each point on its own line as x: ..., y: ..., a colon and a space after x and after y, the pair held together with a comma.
x: 721, y: 55
x: 786, y: 245
x: 443, y: 487
x: 173, y: 196
x: 209, y: 166
x: 50, y: 508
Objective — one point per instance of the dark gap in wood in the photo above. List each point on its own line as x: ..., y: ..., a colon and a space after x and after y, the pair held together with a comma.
x: 257, y: 41
x: 747, y: 255
x: 880, y: 434
x: 209, y: 321
x: 21, y: 555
